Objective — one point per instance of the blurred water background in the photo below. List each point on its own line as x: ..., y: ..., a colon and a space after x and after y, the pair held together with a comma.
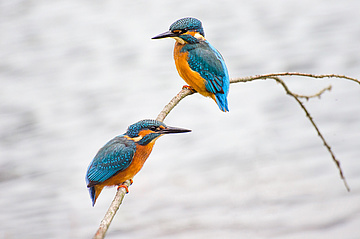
x: 74, y: 74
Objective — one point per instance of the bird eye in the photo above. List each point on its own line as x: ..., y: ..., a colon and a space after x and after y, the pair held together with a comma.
x: 153, y: 128
x: 182, y: 31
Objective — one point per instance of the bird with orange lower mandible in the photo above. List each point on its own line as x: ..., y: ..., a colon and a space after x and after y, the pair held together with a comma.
x: 198, y: 62
x: 121, y: 158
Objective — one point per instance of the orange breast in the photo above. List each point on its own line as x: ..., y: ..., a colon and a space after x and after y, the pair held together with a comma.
x: 141, y: 154
x: 190, y: 77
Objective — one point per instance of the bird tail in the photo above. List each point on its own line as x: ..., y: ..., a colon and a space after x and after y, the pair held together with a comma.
x: 95, y: 192
x: 92, y: 195
x: 221, y: 100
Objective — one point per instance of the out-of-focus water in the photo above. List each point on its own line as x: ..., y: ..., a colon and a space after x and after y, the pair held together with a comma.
x: 74, y: 74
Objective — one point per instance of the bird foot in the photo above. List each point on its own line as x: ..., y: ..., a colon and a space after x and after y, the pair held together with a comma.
x: 189, y: 88
x: 124, y: 186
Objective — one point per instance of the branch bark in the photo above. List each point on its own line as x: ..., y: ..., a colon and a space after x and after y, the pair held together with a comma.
x: 296, y: 97
x: 105, y: 223
x: 110, y: 214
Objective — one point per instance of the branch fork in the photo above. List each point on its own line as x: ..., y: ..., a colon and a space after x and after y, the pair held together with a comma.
x: 120, y: 194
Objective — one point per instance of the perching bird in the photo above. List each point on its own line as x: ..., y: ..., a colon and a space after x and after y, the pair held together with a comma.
x: 198, y: 62
x: 121, y: 158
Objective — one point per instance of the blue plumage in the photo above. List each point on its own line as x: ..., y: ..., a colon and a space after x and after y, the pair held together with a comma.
x: 134, y: 129
x: 208, y: 62
x: 188, y: 24
x: 117, y: 154
x: 114, y: 157
x: 201, y: 57
x: 122, y: 157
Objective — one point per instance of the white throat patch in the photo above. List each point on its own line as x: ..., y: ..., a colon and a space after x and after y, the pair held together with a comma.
x: 179, y: 40
x: 138, y: 138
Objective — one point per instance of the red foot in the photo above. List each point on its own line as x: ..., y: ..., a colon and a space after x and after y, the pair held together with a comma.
x: 189, y: 87
x: 124, y: 186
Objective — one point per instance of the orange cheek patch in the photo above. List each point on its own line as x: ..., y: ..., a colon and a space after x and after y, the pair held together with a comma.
x: 142, y: 133
x: 196, y: 35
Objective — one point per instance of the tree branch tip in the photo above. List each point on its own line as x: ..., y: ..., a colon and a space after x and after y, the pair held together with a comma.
x: 269, y: 75
x: 184, y: 92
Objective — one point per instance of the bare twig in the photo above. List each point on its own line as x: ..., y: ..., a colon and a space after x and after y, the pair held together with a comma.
x: 115, y: 204
x: 105, y: 223
x: 307, y: 97
x: 337, y: 162
x: 264, y: 76
x: 174, y: 101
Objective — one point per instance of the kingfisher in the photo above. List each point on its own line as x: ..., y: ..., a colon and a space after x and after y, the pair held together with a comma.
x: 198, y: 62
x: 121, y: 158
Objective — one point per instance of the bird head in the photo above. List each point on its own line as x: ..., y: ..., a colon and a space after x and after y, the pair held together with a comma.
x: 184, y: 30
x: 146, y: 131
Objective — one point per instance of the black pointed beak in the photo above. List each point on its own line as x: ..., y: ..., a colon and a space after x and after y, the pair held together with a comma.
x: 173, y: 130
x: 165, y: 35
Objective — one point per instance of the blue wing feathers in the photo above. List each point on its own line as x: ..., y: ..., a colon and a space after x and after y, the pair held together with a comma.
x: 208, y: 62
x: 114, y: 157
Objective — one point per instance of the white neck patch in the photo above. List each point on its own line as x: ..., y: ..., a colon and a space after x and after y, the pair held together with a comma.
x: 199, y: 36
x: 196, y: 35
x: 179, y: 40
x: 138, y: 138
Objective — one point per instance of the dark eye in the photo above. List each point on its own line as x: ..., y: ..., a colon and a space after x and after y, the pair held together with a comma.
x: 180, y: 31
x: 153, y: 128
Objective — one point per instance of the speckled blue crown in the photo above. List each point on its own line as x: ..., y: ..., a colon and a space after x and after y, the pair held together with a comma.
x: 188, y: 23
x: 134, y: 129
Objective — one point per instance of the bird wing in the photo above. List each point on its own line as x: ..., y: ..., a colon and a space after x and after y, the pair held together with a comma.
x: 208, y: 62
x: 114, y: 157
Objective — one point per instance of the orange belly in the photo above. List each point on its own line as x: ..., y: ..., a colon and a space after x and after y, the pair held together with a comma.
x: 192, y: 78
x: 140, y: 156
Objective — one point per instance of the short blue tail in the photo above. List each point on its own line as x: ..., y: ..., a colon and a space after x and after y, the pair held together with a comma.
x: 221, y: 100
x: 92, y: 195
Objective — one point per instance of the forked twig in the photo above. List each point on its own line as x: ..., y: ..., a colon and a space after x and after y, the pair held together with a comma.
x: 296, y: 97
x: 110, y: 214
x: 105, y: 223
x: 264, y: 76
x: 307, y: 97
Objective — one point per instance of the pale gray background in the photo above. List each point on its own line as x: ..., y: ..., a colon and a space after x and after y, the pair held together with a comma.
x: 76, y: 73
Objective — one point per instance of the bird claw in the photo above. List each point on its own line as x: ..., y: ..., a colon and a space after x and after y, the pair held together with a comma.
x: 189, y: 88
x: 124, y: 186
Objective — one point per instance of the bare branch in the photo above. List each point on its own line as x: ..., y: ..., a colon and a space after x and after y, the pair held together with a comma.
x: 174, y: 101
x: 251, y: 78
x: 105, y: 223
x: 115, y: 204
x: 337, y: 162
x: 307, y: 97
